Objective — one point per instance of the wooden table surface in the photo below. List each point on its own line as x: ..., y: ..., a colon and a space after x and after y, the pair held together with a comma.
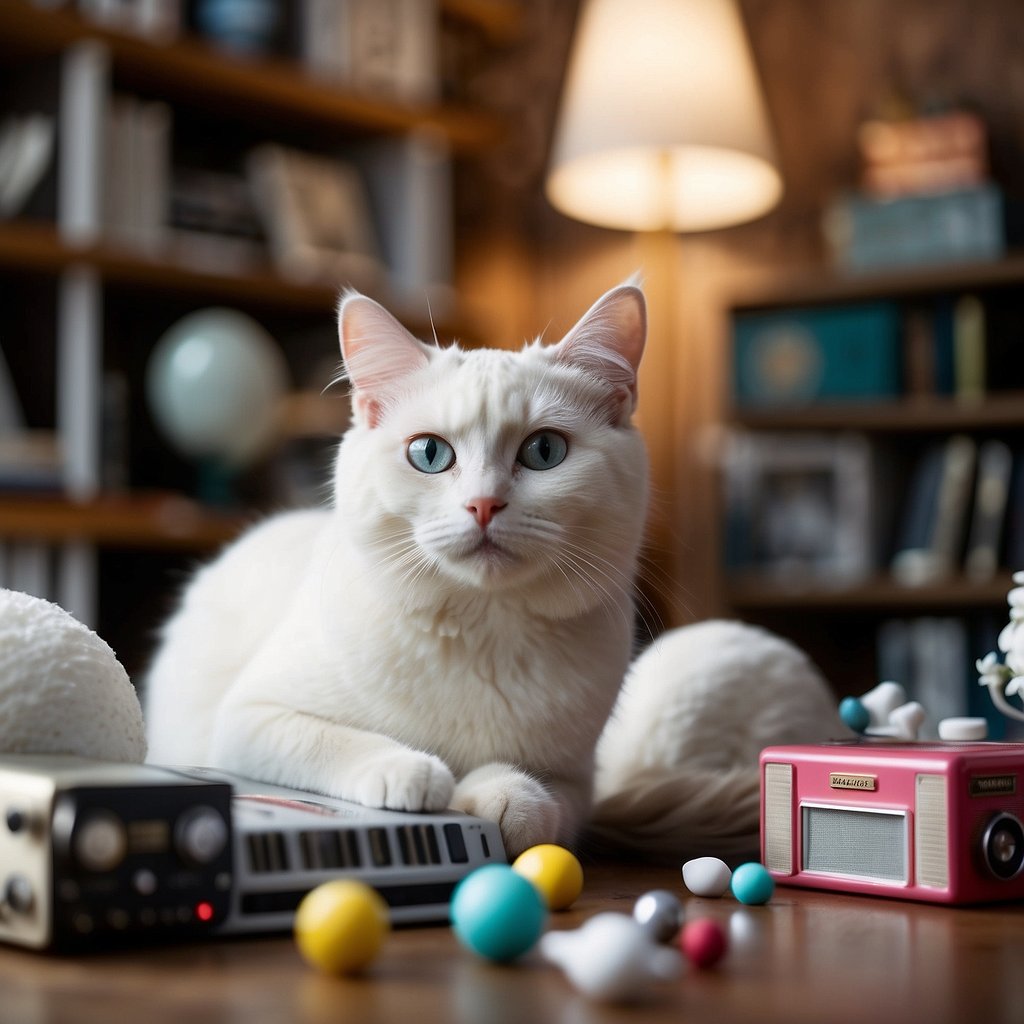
x: 803, y: 957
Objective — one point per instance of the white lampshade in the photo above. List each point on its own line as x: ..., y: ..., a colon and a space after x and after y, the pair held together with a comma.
x: 662, y: 124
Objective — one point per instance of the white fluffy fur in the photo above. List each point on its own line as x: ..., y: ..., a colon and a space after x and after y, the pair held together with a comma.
x: 393, y: 651
x: 677, y: 764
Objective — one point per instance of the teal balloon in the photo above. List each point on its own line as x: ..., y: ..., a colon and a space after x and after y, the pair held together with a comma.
x: 214, y: 383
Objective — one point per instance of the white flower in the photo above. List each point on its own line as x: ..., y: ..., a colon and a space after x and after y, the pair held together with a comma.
x: 1015, y: 687
x: 991, y: 672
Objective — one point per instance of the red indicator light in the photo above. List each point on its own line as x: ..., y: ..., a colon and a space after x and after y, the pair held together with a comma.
x: 204, y: 911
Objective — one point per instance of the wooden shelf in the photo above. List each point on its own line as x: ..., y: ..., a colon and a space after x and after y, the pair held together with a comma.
x: 258, y: 90
x: 758, y: 593
x: 500, y: 20
x: 160, y: 522
x: 910, y: 415
x: 816, y: 288
x: 36, y: 246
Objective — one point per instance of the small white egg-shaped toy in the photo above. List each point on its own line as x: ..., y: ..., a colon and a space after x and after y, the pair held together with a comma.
x: 707, y: 876
x: 610, y: 958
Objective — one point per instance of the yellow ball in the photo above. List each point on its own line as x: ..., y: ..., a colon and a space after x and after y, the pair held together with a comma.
x: 340, y: 926
x: 554, y: 871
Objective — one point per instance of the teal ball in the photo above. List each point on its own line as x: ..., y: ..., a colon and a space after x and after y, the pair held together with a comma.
x: 752, y: 885
x: 854, y: 714
x: 497, y: 913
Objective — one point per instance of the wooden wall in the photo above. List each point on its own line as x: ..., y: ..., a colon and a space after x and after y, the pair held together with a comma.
x: 825, y: 65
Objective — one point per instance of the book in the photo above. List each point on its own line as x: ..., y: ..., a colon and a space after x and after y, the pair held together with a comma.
x: 935, y: 512
x: 137, y: 156
x: 930, y: 657
x: 81, y: 135
x: 991, y: 494
x: 159, y: 20
x: 387, y: 47
x: 939, y: 654
x: 969, y: 348
x: 931, y: 153
x: 1014, y: 525
x: 410, y: 187
x: 806, y: 355
x: 963, y: 225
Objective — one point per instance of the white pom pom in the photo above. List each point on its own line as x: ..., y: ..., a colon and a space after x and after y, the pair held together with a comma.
x: 62, y: 689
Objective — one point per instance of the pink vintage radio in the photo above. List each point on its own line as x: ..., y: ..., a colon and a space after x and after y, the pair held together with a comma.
x: 924, y: 821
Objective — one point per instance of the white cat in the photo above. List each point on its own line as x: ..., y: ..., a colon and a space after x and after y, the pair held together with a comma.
x: 454, y: 629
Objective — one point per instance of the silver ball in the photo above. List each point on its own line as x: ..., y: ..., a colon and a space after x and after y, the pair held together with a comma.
x: 660, y: 915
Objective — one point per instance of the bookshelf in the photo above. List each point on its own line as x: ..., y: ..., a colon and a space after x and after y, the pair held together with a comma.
x: 89, y: 303
x: 848, y: 620
x: 37, y: 247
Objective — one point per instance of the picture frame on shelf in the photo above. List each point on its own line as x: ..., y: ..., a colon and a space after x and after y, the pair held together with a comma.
x: 799, y: 508
x: 316, y: 217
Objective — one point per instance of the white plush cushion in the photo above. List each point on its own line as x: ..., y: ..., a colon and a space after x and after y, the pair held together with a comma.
x: 62, y: 689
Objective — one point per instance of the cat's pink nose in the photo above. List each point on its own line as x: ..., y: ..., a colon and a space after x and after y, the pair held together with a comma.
x: 483, y: 509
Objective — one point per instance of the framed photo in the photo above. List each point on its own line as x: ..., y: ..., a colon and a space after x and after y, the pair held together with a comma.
x: 800, y: 507
x: 316, y: 217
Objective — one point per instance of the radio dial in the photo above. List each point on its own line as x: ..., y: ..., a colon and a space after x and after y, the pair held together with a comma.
x: 99, y: 841
x: 1003, y: 846
x: 200, y: 835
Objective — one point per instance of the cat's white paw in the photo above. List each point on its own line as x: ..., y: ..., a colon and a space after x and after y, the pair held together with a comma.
x: 525, y: 810
x: 404, y: 781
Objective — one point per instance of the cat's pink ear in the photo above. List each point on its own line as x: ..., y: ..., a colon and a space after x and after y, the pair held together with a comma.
x: 378, y: 353
x: 608, y: 342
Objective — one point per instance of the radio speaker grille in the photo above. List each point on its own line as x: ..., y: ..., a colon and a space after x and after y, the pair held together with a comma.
x: 778, y: 817
x: 931, y: 832
x: 855, y: 843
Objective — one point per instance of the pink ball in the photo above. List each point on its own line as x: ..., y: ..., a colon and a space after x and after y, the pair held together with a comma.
x: 703, y: 942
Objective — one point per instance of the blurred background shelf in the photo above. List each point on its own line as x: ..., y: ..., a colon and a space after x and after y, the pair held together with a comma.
x: 754, y: 593
x: 933, y: 413
x: 36, y: 246
x: 147, y: 521
x: 270, y: 92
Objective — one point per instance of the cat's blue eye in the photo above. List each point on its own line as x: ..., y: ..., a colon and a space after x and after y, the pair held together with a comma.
x: 543, y: 450
x: 430, y: 454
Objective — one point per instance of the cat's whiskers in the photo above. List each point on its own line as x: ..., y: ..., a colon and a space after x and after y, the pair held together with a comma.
x: 401, y: 552
x: 616, y: 581
x: 598, y: 573
x: 650, y: 572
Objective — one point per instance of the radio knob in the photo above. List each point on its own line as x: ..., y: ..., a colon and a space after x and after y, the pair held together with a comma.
x: 99, y: 841
x: 200, y: 835
x: 18, y: 894
x: 1002, y: 846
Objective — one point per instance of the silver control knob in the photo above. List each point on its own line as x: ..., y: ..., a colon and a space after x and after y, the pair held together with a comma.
x: 99, y: 841
x: 18, y: 894
x: 200, y: 835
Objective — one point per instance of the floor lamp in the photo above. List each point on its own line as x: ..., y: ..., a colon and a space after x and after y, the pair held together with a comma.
x: 662, y: 130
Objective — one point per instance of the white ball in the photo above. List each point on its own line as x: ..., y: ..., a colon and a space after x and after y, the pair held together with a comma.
x: 62, y: 689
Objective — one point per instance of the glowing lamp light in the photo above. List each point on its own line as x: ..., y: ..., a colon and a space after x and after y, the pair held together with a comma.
x: 662, y: 124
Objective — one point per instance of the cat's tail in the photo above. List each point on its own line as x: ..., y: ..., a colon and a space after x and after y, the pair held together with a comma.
x: 675, y: 815
x: 678, y: 763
